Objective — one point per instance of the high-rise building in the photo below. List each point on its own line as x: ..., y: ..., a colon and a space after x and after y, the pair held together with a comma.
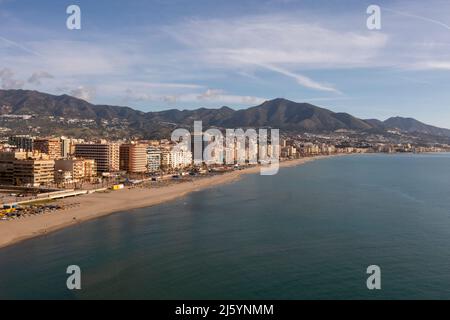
x: 176, y: 159
x: 68, y: 146
x: 65, y: 147
x: 106, y: 155
x: 52, y: 147
x: 153, y: 159
x: 133, y: 158
x: 24, y: 143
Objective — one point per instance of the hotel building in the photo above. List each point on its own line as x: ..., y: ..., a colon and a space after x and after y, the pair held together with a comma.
x: 34, y: 172
x: 26, y: 168
x: 24, y: 143
x: 176, y: 159
x: 65, y: 147
x: 133, y: 158
x: 154, y: 156
x: 106, y: 155
x: 52, y: 147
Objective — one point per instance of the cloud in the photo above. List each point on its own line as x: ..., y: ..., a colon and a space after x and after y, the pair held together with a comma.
x: 178, y: 62
x: 432, y: 65
x: 214, y: 96
x: 139, y: 86
x: 281, y: 43
x: 138, y: 91
x: 171, y: 99
x: 280, y: 39
x: 63, y: 58
x: 131, y: 95
x: 419, y: 17
x: 8, y: 80
x: 218, y: 95
x: 19, y: 46
x: 163, y: 63
x: 84, y: 93
x: 303, y: 80
x: 36, y: 77
x: 83, y: 58
x: 209, y: 96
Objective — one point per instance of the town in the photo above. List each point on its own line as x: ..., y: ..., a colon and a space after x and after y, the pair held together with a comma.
x: 36, y: 170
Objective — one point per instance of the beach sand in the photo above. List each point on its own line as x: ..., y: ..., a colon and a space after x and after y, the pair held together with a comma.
x: 100, y: 204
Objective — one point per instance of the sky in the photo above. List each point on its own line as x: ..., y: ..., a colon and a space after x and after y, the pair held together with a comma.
x: 163, y: 54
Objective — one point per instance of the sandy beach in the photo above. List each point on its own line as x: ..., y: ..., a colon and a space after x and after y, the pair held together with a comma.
x: 100, y: 204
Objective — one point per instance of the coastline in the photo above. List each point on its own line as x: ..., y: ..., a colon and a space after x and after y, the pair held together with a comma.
x: 96, y: 205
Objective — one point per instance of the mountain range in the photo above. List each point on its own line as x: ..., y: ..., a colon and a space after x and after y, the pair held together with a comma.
x: 278, y: 113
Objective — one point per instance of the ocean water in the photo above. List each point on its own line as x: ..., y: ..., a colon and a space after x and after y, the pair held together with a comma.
x: 307, y: 233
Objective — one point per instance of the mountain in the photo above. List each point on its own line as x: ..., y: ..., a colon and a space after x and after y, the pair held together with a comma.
x: 289, y: 115
x: 412, y: 126
x: 43, y: 104
x: 68, y: 115
x: 280, y: 113
x: 375, y: 123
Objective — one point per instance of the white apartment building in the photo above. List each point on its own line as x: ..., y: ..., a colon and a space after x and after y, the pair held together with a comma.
x: 176, y: 159
x: 154, y: 157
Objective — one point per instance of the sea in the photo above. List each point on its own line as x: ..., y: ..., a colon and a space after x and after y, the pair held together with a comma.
x: 308, y: 232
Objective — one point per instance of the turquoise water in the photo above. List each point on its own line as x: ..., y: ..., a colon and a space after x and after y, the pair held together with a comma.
x: 307, y: 233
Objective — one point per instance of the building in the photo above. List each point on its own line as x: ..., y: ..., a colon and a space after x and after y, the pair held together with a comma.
x: 154, y: 156
x: 68, y: 146
x: 288, y: 152
x: 78, y: 169
x: 309, y: 149
x: 197, y: 146
x: 63, y: 177
x: 133, y: 158
x: 106, y: 155
x: 213, y: 151
x: 7, y: 166
x: 24, y: 143
x: 26, y: 168
x: 33, y: 172
x: 65, y: 147
x: 176, y: 159
x: 52, y: 147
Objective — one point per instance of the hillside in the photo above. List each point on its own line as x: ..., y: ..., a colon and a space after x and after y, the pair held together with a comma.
x: 412, y: 125
x: 68, y: 115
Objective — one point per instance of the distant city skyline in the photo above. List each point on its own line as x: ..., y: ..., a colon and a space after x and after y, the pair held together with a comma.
x: 156, y: 55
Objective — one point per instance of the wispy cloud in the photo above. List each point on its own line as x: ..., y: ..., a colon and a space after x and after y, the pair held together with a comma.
x: 218, y: 95
x: 19, y: 46
x: 419, y: 17
x: 303, y: 80
x: 210, y: 96
x: 235, y: 58
x: 276, y: 39
x: 280, y: 43
x: 432, y: 65
x: 8, y: 80
x: 38, y: 76
x: 84, y: 92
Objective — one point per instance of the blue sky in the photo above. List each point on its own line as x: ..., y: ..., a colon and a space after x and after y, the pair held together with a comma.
x: 155, y: 55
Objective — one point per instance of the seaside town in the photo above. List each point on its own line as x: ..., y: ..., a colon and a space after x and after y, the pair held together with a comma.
x: 36, y: 171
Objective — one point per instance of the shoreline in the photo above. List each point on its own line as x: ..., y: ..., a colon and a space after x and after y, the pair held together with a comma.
x: 97, y: 205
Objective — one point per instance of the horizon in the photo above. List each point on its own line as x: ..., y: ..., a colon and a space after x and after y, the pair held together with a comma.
x: 157, y: 55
